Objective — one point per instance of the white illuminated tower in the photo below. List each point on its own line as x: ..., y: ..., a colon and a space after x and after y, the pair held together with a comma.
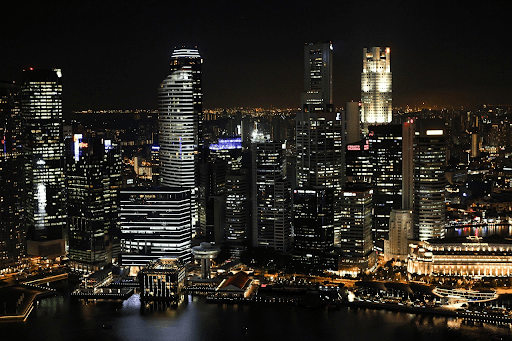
x: 180, y: 107
x: 376, y: 86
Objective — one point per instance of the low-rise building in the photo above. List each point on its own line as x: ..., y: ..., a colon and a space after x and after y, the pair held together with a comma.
x: 462, y: 256
x: 163, y: 280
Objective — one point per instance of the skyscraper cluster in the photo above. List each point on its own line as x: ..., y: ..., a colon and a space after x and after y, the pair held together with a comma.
x: 332, y: 189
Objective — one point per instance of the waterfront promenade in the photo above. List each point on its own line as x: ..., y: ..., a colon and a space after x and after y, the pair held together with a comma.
x: 17, y: 301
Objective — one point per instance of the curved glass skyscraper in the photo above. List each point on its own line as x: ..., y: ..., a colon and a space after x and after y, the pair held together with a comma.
x: 180, y: 107
x: 180, y: 110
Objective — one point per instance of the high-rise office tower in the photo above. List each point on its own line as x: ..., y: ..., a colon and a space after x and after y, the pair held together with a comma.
x: 320, y: 156
x: 356, y: 226
x: 376, y: 86
x: 45, y: 210
x: 12, y: 233
x: 429, y: 180
x: 317, y: 96
x: 237, y: 221
x: 180, y: 110
x: 386, y: 155
x: 319, y: 131
x: 313, y: 221
x: 359, y: 163
x: 271, y: 198
x: 93, y: 181
x: 408, y: 129
x: 401, y: 229
x: 155, y: 223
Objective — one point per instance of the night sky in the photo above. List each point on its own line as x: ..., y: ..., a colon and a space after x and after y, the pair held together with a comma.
x: 114, y: 55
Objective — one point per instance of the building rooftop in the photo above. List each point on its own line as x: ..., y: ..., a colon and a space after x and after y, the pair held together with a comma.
x: 239, y: 281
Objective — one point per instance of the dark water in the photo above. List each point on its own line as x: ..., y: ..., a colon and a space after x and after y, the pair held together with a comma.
x: 489, y: 230
x: 58, y: 318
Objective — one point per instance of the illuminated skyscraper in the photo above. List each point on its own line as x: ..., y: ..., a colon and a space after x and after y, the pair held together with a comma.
x: 356, y: 227
x: 319, y: 131
x: 317, y: 94
x: 41, y: 105
x: 313, y: 221
x: 271, y: 198
x: 237, y: 221
x: 155, y: 223
x: 429, y: 180
x: 12, y: 233
x: 180, y: 110
x: 93, y: 182
x: 376, y: 86
x: 386, y: 156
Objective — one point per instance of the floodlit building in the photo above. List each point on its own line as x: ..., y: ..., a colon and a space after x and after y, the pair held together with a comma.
x: 237, y: 286
x: 43, y: 149
x: 376, y: 86
x: 155, y: 223
x: 462, y: 256
x: 163, y: 280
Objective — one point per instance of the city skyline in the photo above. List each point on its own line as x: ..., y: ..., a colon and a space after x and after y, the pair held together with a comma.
x: 113, y: 57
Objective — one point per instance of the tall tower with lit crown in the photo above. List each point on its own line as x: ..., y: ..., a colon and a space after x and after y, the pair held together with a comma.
x: 180, y: 106
x: 180, y: 110
x: 376, y: 86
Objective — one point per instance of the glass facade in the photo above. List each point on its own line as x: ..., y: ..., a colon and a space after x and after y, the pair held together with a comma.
x: 356, y: 221
x: 429, y: 180
x: 180, y: 109
x: 385, y: 143
x: 155, y: 223
x: 313, y: 221
x: 93, y: 182
x: 180, y: 116
x: 41, y: 103
x: 272, y: 198
x: 317, y: 94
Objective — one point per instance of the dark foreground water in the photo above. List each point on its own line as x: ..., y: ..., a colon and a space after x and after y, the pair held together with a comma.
x: 58, y: 318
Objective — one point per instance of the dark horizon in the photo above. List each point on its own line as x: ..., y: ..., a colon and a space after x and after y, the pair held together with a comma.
x: 114, y: 55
